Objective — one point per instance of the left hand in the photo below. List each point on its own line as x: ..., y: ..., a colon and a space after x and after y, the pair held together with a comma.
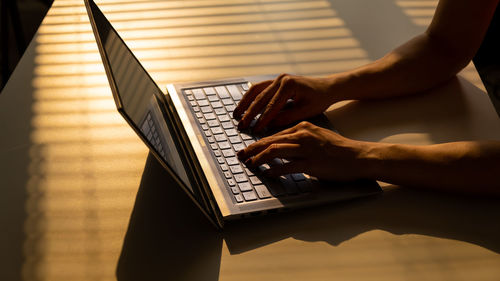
x: 312, y: 150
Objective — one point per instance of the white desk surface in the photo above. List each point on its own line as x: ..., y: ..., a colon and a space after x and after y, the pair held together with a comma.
x: 81, y: 199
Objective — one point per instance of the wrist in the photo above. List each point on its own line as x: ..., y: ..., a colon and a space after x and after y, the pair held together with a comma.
x: 340, y: 86
x: 372, y: 157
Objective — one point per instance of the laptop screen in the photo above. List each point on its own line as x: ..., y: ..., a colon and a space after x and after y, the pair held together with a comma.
x: 139, y: 102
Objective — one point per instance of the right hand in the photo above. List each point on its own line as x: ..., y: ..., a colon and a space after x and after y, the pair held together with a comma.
x: 310, y: 96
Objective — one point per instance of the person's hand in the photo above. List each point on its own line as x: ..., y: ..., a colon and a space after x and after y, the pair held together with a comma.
x: 312, y: 150
x: 310, y: 96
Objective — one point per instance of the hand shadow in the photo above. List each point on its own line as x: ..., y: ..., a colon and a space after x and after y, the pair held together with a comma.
x: 398, y: 210
x: 168, y: 238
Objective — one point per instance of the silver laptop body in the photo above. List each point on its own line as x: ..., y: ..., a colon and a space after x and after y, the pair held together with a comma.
x: 190, y: 130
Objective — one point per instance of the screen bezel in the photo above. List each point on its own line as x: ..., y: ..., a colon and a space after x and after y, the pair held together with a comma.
x: 195, y: 179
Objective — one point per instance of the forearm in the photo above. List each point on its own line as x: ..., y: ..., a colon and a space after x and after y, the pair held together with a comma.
x: 419, y: 64
x: 450, y: 42
x: 457, y: 166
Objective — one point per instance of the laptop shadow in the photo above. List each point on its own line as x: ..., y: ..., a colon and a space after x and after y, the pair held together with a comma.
x: 397, y: 210
x: 168, y: 238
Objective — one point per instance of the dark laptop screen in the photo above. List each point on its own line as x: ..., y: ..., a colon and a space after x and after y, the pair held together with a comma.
x: 137, y: 93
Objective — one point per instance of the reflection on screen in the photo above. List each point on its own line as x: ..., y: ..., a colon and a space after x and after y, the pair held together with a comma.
x: 137, y: 94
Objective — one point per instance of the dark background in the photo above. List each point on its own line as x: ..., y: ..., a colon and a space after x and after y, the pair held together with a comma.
x: 19, y: 21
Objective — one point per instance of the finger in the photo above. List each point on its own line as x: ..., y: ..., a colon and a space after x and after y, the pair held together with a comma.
x: 259, y: 103
x: 292, y: 167
x: 249, y: 96
x: 276, y: 104
x: 275, y: 150
x: 259, y: 146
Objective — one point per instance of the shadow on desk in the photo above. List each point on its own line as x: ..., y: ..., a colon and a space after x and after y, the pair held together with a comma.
x: 168, y: 238
x: 397, y: 210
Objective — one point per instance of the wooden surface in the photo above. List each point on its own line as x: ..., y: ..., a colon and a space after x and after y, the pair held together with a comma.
x: 83, y: 200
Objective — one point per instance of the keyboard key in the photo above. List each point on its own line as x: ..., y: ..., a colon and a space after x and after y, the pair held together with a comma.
x: 199, y: 94
x: 221, y: 160
x: 236, y: 169
x: 190, y: 97
x: 240, y: 178
x: 250, y: 173
x: 230, y: 108
x: 222, y: 91
x: 213, y: 123
x: 217, y: 153
x: 231, y: 132
x: 196, y: 109
x: 199, y: 114
x: 245, y: 186
x: 224, y: 167
x: 220, y: 111
x: 228, y: 175
x: 227, y: 125
x: 209, y: 116
x: 232, y: 161
x: 201, y: 120
x: 220, y: 137
x: 244, y: 86
x: 209, y: 91
x: 235, y: 139
x: 231, y: 182
x: 228, y: 153
x: 224, y: 145
x: 188, y: 92
x: 224, y: 118
x: 213, y: 146
x: 249, y: 196
x: 235, y: 189
x: 248, y: 142
x: 217, y: 130
x: 227, y: 101
x: 238, y: 146
x: 262, y: 191
x: 203, y: 103
x: 217, y: 104
x: 263, y: 167
x: 298, y: 177
x: 255, y: 180
x: 238, y: 198
x: 211, y: 139
x: 208, y: 133
x: 206, y: 109
x: 246, y: 136
x: 235, y: 92
x: 213, y: 98
x: 193, y: 103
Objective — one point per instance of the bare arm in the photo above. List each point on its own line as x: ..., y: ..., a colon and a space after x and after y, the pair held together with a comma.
x: 450, y: 42
x: 458, y: 166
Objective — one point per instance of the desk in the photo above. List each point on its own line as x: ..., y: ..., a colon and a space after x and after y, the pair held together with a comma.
x: 82, y: 199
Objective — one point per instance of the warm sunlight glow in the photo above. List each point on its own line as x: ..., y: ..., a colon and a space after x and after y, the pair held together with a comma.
x: 86, y: 161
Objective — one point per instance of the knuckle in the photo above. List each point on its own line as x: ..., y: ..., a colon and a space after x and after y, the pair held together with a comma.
x: 304, y: 124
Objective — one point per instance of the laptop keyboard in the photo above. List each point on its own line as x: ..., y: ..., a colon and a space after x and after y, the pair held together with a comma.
x: 213, y: 108
x: 149, y: 129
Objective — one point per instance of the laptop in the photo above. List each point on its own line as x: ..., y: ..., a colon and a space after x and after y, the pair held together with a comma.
x: 190, y: 130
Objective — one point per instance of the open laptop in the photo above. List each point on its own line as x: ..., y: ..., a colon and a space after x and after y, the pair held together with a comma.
x: 191, y: 132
